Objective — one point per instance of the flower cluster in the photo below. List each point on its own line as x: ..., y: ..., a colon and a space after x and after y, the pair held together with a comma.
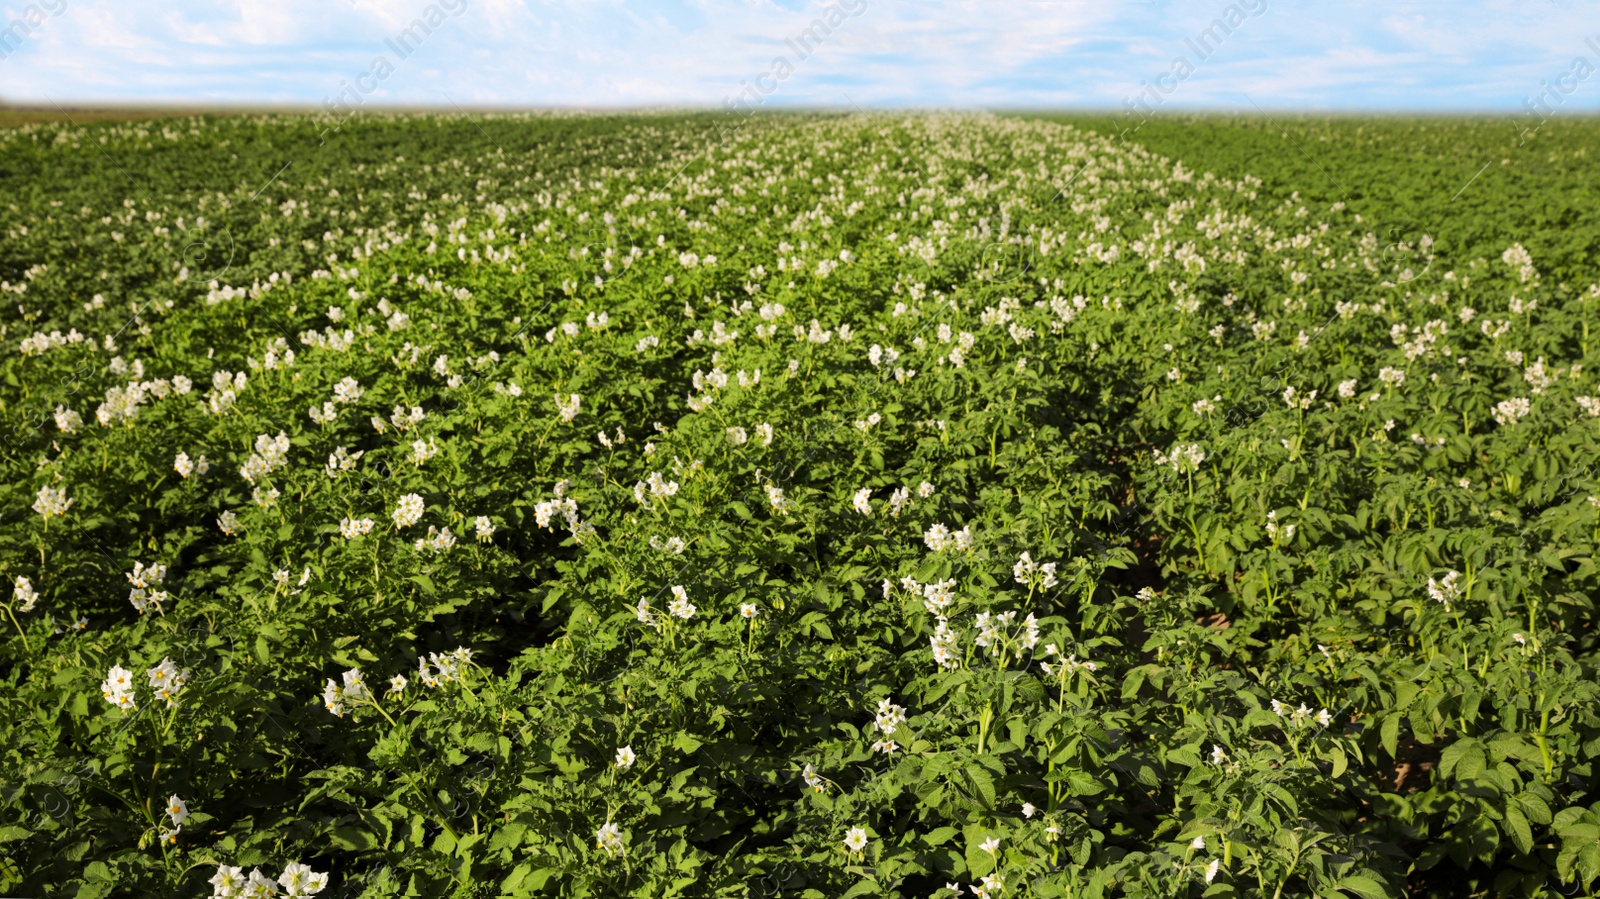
x: 178, y: 811
x: 680, y: 607
x: 342, y: 460
x: 1280, y: 533
x: 945, y: 646
x: 296, y: 880
x: 271, y: 454
x: 437, y: 540
x: 401, y: 419
x: 1509, y: 412
x: 408, y: 511
x: 446, y: 667
x: 348, y: 390
x: 51, y: 501
x: 939, y: 538
x: 567, y: 507
x: 673, y: 545
x: 995, y: 632
x: 656, y: 485
x: 776, y: 499
x: 1064, y: 665
x: 890, y: 718
x: 861, y: 501
x: 143, y: 593
x: 567, y: 406
x: 1182, y: 457
x: 1294, y: 401
x: 422, y: 451
x: 184, y: 466
x: 165, y: 679
x: 24, y: 594
x: 354, y: 691
x: 1302, y: 715
x: 117, y: 688
x: 1445, y: 589
x: 1033, y: 574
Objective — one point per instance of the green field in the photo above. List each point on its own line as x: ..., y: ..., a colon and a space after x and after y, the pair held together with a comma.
x: 867, y: 505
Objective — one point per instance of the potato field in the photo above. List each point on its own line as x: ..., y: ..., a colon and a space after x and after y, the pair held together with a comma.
x: 800, y: 507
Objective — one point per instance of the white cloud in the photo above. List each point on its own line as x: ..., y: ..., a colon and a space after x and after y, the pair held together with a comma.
x: 929, y: 53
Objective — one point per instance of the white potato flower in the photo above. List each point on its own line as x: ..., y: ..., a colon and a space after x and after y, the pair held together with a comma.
x: 860, y: 502
x: 227, y: 883
x: 347, y: 390
x: 177, y: 810
x: 24, y: 593
x: 299, y: 880
x: 117, y: 688
x: 680, y: 606
x: 51, y: 501
x: 408, y: 511
x: 811, y: 778
x: 67, y: 421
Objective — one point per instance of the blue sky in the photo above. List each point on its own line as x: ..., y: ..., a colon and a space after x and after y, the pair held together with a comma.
x: 1354, y: 55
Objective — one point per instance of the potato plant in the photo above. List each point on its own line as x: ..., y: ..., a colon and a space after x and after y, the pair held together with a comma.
x: 931, y: 505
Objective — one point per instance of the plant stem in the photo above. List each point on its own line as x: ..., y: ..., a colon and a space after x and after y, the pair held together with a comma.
x: 25, y: 647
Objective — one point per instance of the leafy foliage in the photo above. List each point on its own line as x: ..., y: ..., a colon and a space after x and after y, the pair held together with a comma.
x: 855, y: 506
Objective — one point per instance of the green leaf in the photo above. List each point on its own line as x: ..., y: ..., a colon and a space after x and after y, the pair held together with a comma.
x: 1363, y: 886
x: 1084, y: 784
x: 1336, y: 756
x: 981, y: 782
x: 353, y: 838
x: 1187, y: 756
x: 1535, y: 808
x: 862, y: 888
x: 1517, y: 828
x: 1405, y: 693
